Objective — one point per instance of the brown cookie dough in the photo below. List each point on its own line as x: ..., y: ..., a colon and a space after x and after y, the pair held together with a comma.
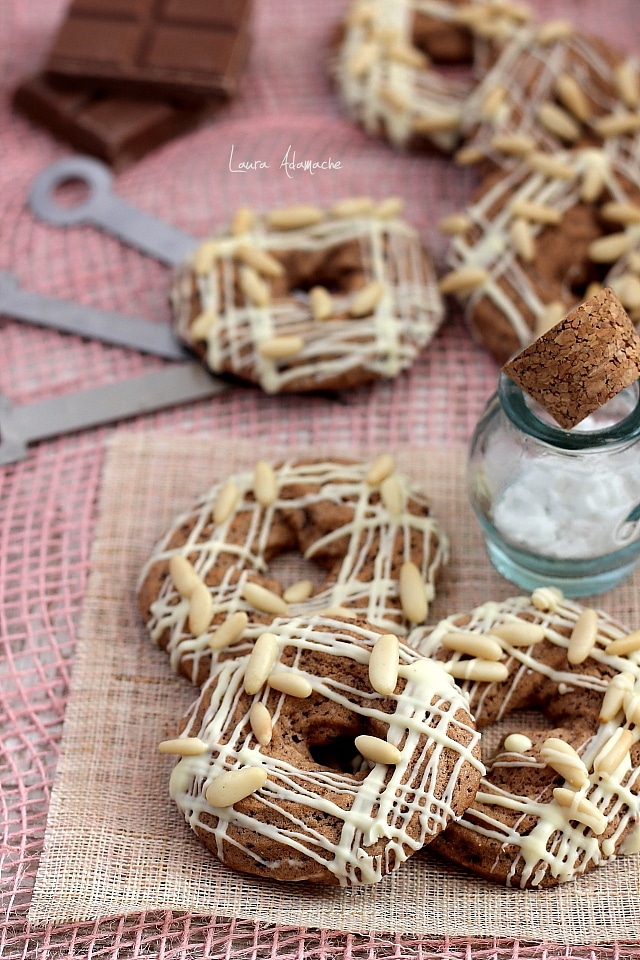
x: 207, y: 588
x: 558, y: 802
x: 307, y: 761
x: 303, y: 298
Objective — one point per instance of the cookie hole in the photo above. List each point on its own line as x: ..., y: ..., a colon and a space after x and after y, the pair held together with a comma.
x: 339, y: 754
x: 520, y: 721
x: 290, y: 566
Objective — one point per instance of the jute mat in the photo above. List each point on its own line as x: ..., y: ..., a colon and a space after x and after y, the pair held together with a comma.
x: 115, y: 844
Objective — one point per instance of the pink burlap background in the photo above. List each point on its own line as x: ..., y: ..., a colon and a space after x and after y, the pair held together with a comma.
x: 48, y: 502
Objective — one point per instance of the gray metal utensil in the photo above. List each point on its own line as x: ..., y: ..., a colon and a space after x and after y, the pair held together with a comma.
x: 178, y: 383
x: 102, y: 208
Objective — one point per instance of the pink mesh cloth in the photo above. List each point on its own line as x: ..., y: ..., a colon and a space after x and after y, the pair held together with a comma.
x: 48, y: 503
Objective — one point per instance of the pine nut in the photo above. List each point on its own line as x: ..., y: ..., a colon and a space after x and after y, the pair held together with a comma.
x: 229, y: 630
x: 243, y: 221
x: 558, y: 122
x: 562, y: 758
x: 261, y: 261
x: 593, y: 183
x: 617, y: 688
x: 617, y: 124
x: 377, y: 750
x: 550, y: 166
x: 572, y: 96
x: 519, y: 633
x: 394, y: 99
x: 261, y: 723
x: 522, y: 239
x: 593, y: 289
x: 552, y: 314
x: 487, y: 671
x: 413, y: 598
x: 294, y: 218
x: 392, y: 495
x: 200, y: 326
x: 631, y: 706
x: 390, y: 208
x: 470, y: 15
x: 437, y: 123
x: 183, y: 575
x: 627, y: 287
x: 384, y: 664
x: 408, y: 55
x: 204, y: 256
x: 381, y: 468
x: 554, y: 30
x: 362, y: 60
x: 464, y: 280
x: 633, y: 261
x: 583, y: 636
x: 321, y: 303
x: 280, y: 348
x: 625, y: 645
x: 473, y: 644
x: 492, y: 101
x: 265, y: 484
x: 235, y: 785
x: 624, y: 213
x: 547, y: 598
x: 366, y: 299
x: 200, y: 609
x: 298, y: 592
x: 455, y: 223
x: 535, y: 212
x: 184, y: 747
x: 255, y: 289
x: 581, y: 809
x: 291, y: 684
x: 513, y: 144
x: 467, y: 156
x: 628, y: 84
x: 352, y: 207
x: 264, y: 600
x: 225, y: 502
x: 614, y: 752
x: 610, y: 248
x: 517, y: 743
x: 260, y: 663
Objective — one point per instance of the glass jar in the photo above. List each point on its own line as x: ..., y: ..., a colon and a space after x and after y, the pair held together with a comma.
x: 559, y: 507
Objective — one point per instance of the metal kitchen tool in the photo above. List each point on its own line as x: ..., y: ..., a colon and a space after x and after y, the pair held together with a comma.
x: 102, y: 208
x: 179, y: 383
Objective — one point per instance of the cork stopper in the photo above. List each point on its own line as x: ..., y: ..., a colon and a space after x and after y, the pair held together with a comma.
x: 581, y: 363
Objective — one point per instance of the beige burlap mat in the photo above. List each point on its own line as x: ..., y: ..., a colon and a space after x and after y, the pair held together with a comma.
x: 115, y: 844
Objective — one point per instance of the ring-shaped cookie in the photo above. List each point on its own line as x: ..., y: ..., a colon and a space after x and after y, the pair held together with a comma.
x: 558, y: 802
x: 303, y: 298
x: 257, y: 787
x: 539, y: 239
x: 207, y: 587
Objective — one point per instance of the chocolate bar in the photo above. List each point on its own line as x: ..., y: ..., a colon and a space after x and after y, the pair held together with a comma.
x: 115, y: 129
x: 181, y: 49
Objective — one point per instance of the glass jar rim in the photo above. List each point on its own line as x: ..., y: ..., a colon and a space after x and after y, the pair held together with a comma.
x: 512, y: 400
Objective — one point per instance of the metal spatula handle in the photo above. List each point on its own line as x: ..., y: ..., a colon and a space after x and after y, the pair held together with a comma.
x: 102, y: 208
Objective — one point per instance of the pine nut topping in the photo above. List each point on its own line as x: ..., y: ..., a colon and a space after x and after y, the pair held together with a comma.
x: 610, y: 248
x: 519, y: 633
x: 633, y: 261
x: 260, y: 663
x: 390, y: 208
x: 408, y: 55
x: 243, y: 221
x: 229, y: 630
x: 377, y: 750
x: 470, y: 15
x: 467, y: 156
x: 437, y: 123
x: 261, y: 261
x: 290, y: 683
x: 261, y: 723
x: 255, y: 289
x: 464, y: 280
x: 362, y: 60
x: 321, y: 303
x: 554, y: 30
x: 279, y: 348
x: 366, y: 299
x: 183, y: 575
x: 294, y: 218
x: 235, y: 785
x: 225, y: 502
x: 517, y: 743
x: 562, y: 758
x: 513, y: 144
x: 552, y: 314
x: 204, y: 256
x: 413, y: 598
x: 593, y: 288
x: 395, y: 99
x: 382, y: 467
x: 535, y: 212
x: 583, y: 636
x: 298, y: 592
x: 593, y: 183
x: 614, y: 752
x: 392, y: 495
x: 550, y: 166
x: 625, y: 645
x: 547, y: 598
x: 628, y: 84
x: 455, y: 223
x: 264, y: 600
x: 200, y: 609
x: 558, y: 122
x: 572, y: 96
x: 627, y: 287
x: 473, y: 644
x: 265, y: 483
x: 352, y: 207
x: 617, y: 688
x: 617, y: 124
x: 581, y: 809
x: 202, y: 324
x: 624, y: 213
x: 384, y: 664
x: 492, y: 101
x: 631, y: 705
x: 522, y: 239
x: 184, y: 747
x: 488, y: 671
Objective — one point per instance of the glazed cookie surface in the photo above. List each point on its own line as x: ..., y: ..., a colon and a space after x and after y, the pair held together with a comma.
x: 304, y: 298
x: 207, y: 589
x: 331, y: 753
x: 540, y: 238
x: 557, y: 802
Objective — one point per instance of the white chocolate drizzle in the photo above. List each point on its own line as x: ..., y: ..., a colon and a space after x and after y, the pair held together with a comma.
x: 426, y: 720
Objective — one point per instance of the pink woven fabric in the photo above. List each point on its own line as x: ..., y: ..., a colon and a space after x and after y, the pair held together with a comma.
x: 48, y: 502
